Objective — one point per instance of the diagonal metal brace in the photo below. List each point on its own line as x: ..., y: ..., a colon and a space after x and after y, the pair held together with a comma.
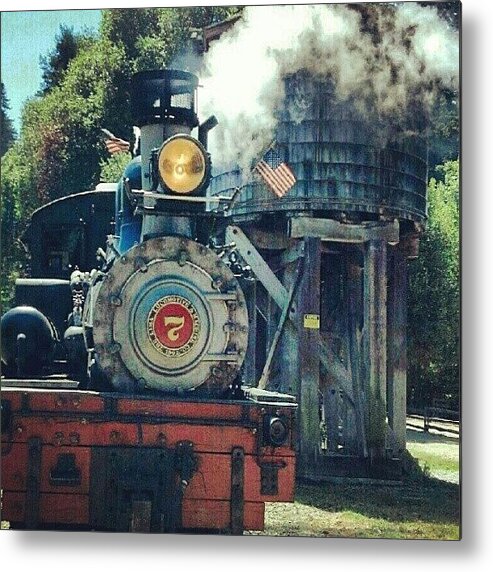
x: 258, y: 265
x: 280, y: 327
x: 271, y: 283
x: 284, y: 299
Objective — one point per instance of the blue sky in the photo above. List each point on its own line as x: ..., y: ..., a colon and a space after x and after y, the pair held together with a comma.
x: 25, y: 36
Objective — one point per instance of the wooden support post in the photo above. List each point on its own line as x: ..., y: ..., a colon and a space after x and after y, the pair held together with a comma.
x: 397, y: 349
x: 355, y: 321
x: 308, y: 302
x: 349, y: 428
x: 289, y: 380
x: 375, y: 345
x: 264, y: 378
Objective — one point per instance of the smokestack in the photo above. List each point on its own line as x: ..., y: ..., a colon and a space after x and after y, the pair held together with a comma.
x: 163, y: 104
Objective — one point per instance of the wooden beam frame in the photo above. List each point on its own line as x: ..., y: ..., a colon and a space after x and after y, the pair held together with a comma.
x: 335, y: 231
x: 250, y: 368
x: 264, y: 378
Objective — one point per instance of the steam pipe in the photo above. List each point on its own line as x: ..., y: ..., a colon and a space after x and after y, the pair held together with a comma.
x: 205, y: 127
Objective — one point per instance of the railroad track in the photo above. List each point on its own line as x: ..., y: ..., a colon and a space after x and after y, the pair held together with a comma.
x: 433, y: 424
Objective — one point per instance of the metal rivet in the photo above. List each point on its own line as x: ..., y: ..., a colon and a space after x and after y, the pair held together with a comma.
x: 182, y: 258
x: 115, y: 301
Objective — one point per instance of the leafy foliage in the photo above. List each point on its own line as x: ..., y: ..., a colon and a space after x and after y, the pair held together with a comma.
x: 444, y: 139
x: 16, y: 176
x: 434, y: 304
x: 125, y: 27
x: 112, y: 168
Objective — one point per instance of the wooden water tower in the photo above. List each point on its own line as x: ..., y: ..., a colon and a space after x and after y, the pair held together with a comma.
x: 328, y: 311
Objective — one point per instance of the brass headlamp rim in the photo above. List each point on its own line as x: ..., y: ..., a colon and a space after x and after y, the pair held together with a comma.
x: 205, y: 165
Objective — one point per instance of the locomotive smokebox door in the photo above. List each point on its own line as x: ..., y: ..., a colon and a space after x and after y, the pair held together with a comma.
x: 170, y: 316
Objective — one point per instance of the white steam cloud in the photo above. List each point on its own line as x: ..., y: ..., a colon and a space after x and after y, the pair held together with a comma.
x: 381, y: 57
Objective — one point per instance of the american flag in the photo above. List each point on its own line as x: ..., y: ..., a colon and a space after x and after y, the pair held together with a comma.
x: 115, y: 144
x: 275, y: 173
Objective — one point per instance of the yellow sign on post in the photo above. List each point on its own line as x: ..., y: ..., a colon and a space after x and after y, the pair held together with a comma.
x: 311, y: 321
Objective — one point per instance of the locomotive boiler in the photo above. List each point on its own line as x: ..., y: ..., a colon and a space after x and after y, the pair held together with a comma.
x: 123, y: 406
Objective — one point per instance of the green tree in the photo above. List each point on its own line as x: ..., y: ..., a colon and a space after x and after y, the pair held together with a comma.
x: 85, y: 87
x: 434, y: 301
x: 154, y: 38
x: 125, y: 27
x: 16, y: 182
x: 7, y: 130
x: 444, y: 137
x: 55, y: 64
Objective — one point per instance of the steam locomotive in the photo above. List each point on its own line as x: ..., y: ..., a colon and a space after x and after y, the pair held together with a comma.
x: 122, y: 399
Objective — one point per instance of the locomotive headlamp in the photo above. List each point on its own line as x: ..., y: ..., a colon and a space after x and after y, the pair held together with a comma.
x: 275, y: 430
x: 183, y: 165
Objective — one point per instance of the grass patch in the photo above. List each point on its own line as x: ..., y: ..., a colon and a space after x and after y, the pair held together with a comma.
x: 423, y: 507
x: 437, y: 455
x: 437, y: 458
x: 428, y: 509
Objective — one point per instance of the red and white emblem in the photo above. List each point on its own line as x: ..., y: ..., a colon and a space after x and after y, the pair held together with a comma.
x: 173, y: 326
